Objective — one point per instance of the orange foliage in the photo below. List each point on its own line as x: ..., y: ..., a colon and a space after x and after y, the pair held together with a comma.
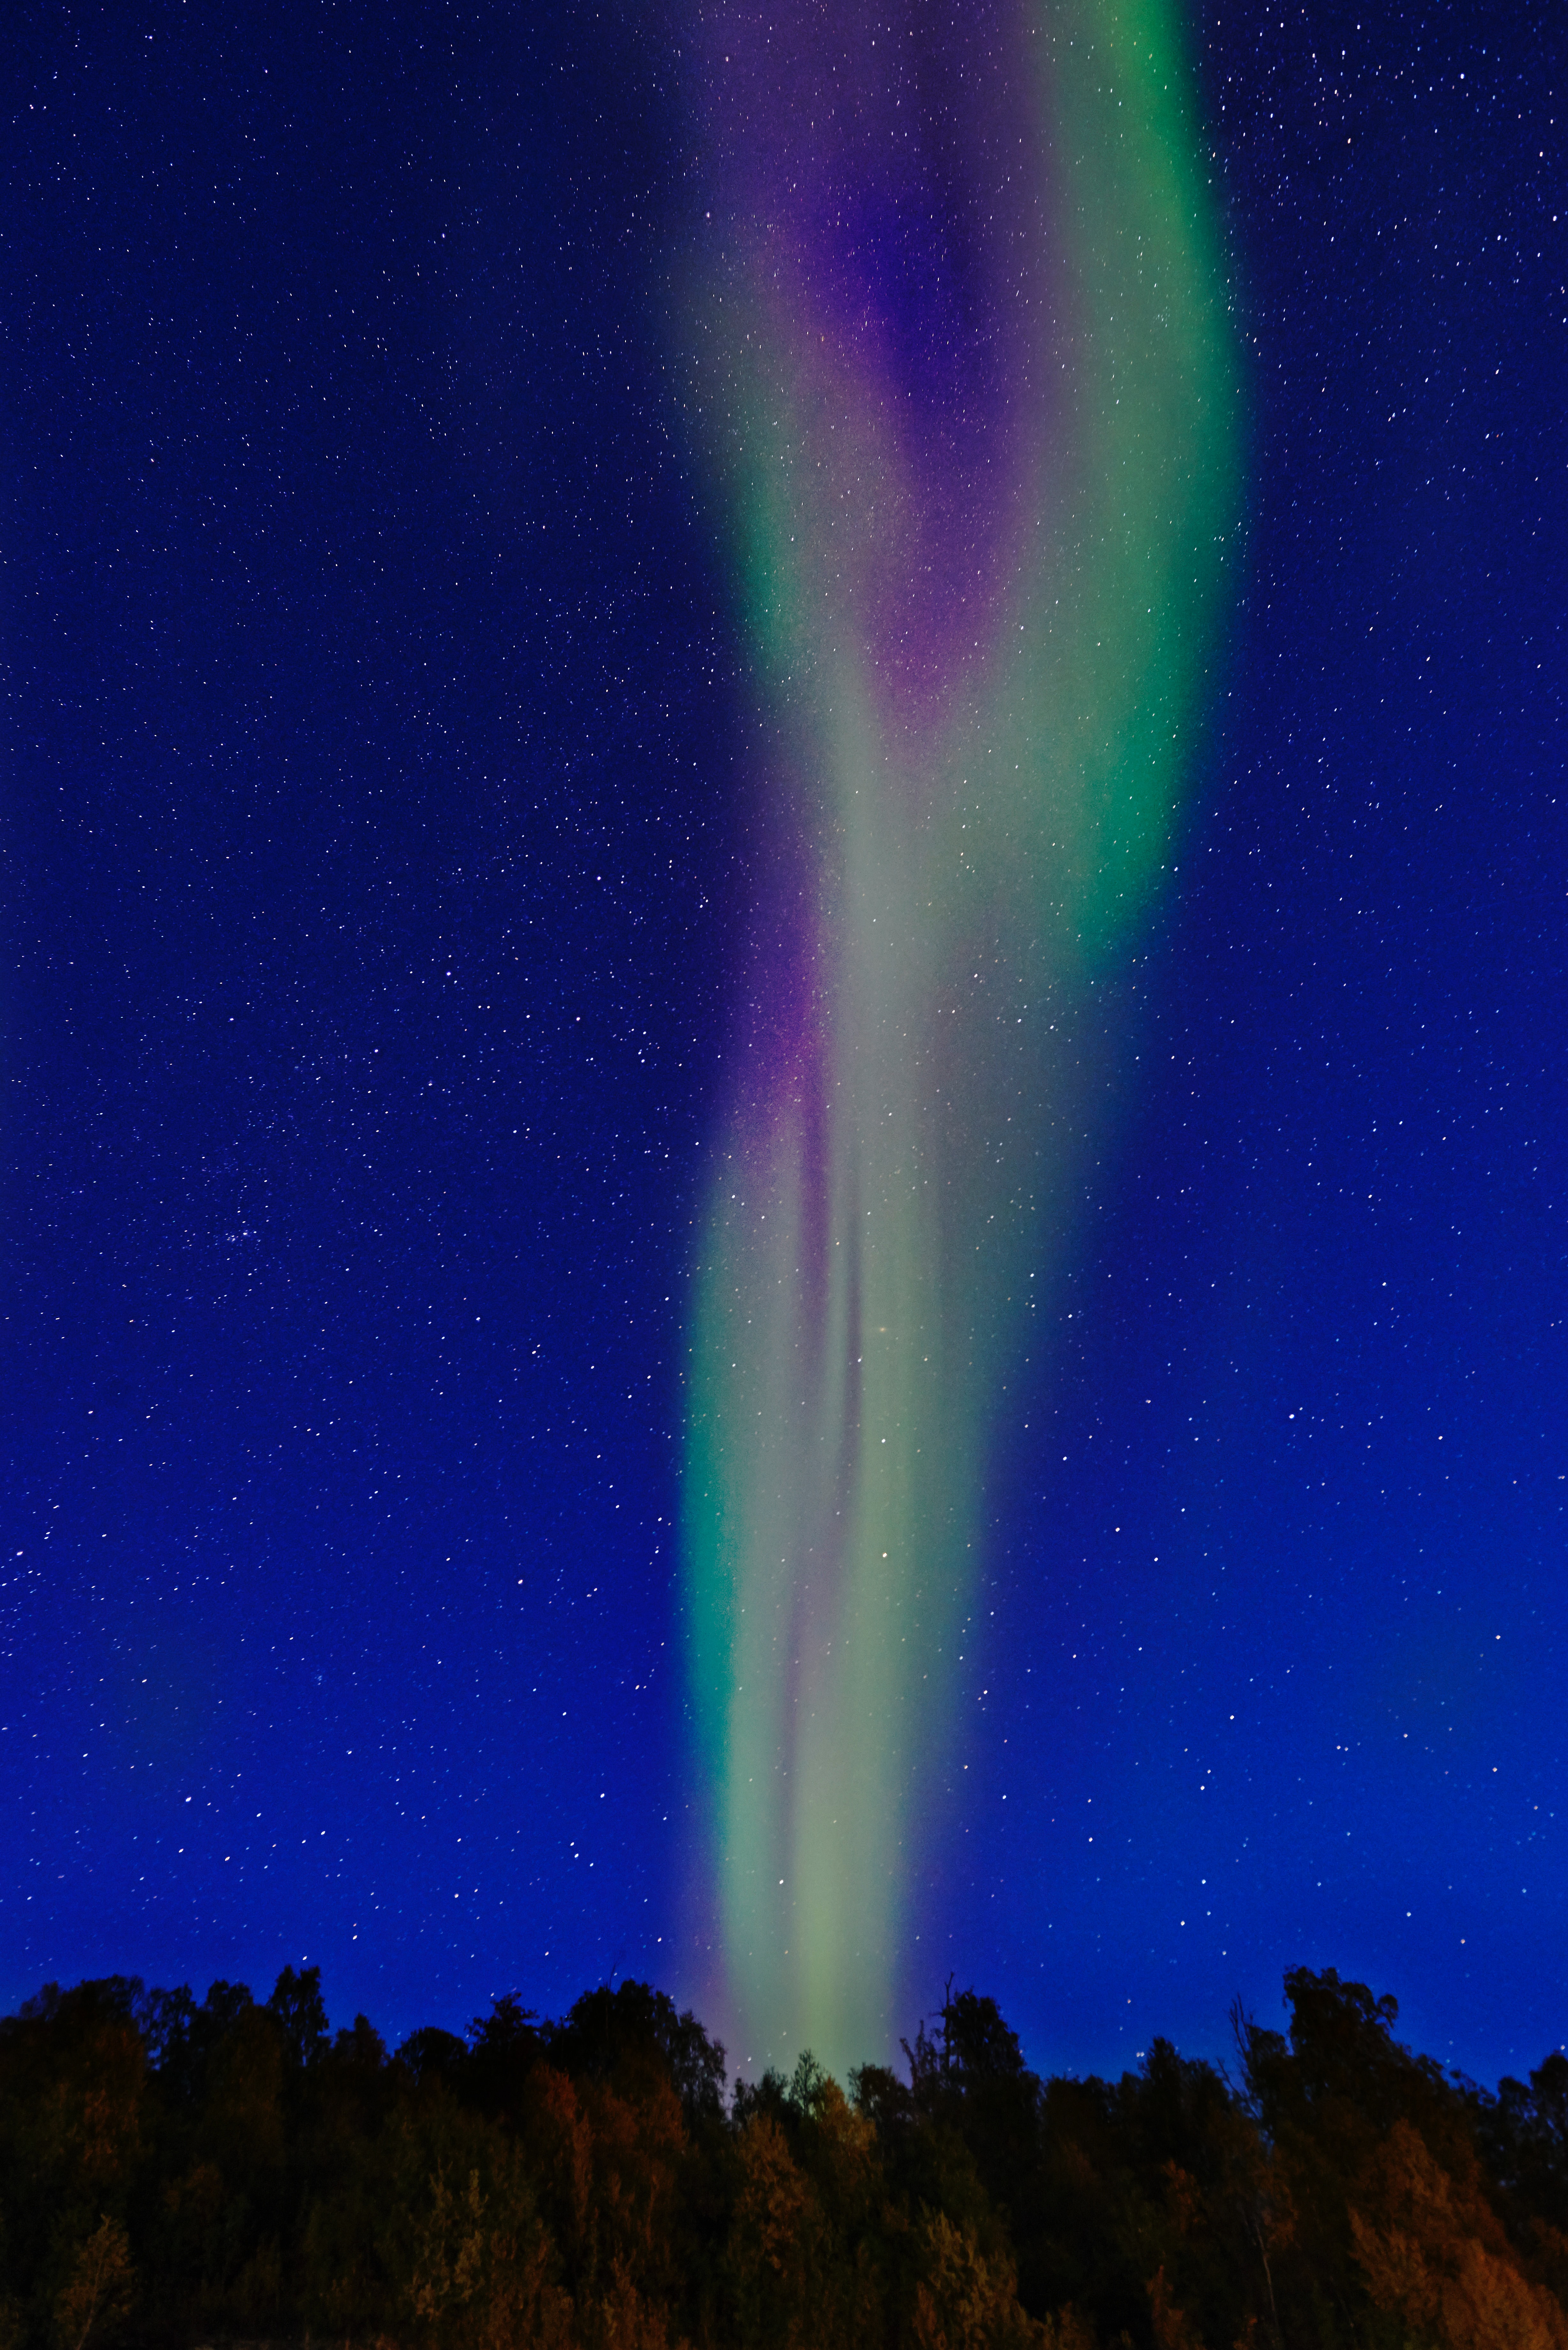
x: 1435, y: 2255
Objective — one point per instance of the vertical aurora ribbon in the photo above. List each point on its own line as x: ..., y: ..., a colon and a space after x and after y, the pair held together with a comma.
x: 958, y: 344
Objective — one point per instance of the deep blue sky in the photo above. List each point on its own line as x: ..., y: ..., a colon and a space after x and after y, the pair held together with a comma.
x: 375, y: 865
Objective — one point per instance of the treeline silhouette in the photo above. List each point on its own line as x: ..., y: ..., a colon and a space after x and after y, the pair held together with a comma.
x: 181, y: 2173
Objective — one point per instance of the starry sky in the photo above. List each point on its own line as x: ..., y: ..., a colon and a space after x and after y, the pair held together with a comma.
x: 377, y: 868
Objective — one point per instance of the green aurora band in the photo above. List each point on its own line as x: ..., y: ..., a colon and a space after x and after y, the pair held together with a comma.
x: 958, y: 342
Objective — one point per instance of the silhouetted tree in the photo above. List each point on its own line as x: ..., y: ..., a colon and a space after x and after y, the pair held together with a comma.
x: 174, y: 2173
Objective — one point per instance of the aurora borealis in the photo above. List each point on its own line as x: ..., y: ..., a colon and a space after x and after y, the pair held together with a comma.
x: 960, y: 353
x: 597, y: 598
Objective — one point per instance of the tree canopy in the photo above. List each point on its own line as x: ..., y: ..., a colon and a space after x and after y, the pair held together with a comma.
x: 182, y: 2172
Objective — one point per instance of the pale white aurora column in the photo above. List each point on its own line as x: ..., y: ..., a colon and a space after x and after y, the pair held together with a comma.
x: 958, y: 342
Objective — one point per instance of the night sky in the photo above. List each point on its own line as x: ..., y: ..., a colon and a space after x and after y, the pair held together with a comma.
x: 378, y: 862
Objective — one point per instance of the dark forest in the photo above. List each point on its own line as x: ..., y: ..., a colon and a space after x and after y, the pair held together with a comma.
x: 222, y: 2171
